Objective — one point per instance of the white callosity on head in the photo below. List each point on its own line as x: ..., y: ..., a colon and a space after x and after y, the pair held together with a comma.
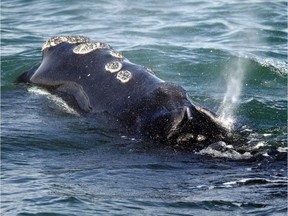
x: 149, y: 70
x: 124, y: 76
x: 54, y: 41
x: 116, y: 54
x: 113, y: 66
x: 85, y: 48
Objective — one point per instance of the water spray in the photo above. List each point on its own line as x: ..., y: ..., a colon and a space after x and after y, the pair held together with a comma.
x: 231, y: 98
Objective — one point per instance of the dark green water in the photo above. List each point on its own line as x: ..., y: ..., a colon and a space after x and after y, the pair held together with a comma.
x: 57, y: 163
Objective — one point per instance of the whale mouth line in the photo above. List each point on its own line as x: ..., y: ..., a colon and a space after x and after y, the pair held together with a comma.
x: 180, y: 124
x: 197, y: 125
x: 215, y: 118
x: 55, y: 99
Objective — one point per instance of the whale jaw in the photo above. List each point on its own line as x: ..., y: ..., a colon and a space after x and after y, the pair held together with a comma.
x: 198, y: 127
x: 190, y: 127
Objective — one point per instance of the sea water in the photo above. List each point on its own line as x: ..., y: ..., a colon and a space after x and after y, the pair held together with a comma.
x: 230, y: 56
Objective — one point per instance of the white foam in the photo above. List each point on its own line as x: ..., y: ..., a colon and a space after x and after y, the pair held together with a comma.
x: 226, y: 151
x: 279, y: 67
x: 57, y: 100
x: 247, y: 180
x: 259, y: 145
x: 282, y: 149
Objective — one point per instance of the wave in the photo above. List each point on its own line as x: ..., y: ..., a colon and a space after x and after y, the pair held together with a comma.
x: 57, y: 100
x: 256, y: 181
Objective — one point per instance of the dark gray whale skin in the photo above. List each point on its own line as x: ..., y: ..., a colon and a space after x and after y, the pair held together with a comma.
x: 101, y: 80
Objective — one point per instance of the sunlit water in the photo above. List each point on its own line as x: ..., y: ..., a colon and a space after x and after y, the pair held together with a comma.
x: 231, y: 57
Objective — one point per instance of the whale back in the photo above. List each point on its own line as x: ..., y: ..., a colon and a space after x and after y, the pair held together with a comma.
x: 102, y: 80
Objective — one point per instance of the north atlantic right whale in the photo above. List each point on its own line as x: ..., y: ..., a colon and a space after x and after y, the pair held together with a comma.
x: 102, y: 80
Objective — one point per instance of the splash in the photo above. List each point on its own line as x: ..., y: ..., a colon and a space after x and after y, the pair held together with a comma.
x: 222, y: 150
x: 57, y: 100
x: 231, y: 98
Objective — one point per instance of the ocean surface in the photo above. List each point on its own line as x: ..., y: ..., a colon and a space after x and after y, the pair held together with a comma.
x: 231, y: 57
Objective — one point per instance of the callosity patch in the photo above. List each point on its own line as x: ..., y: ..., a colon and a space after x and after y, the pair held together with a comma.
x: 124, y: 76
x: 54, y: 41
x: 113, y: 66
x: 85, y: 48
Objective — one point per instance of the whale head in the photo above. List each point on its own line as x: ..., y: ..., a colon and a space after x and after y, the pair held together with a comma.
x: 179, y: 122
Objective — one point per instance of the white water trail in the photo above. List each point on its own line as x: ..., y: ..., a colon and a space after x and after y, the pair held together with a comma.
x: 57, y: 100
x: 236, y: 70
x: 234, y: 87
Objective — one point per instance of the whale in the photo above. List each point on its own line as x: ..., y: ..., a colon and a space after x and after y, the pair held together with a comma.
x: 97, y: 79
